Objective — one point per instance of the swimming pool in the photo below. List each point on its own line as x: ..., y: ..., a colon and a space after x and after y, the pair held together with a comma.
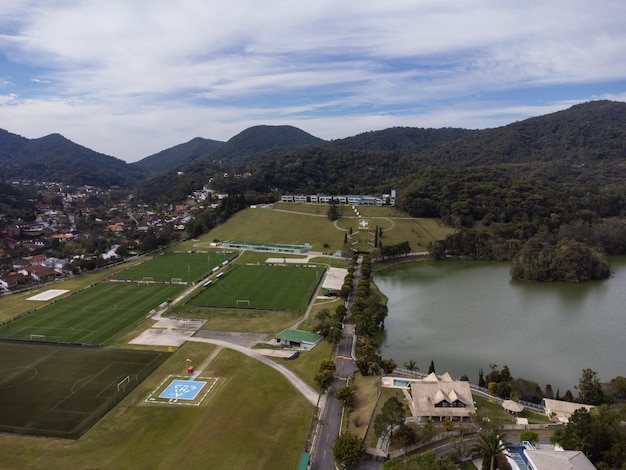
x: 517, y: 454
x: 401, y: 383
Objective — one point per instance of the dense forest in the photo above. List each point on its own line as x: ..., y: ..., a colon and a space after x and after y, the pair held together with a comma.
x: 15, y: 204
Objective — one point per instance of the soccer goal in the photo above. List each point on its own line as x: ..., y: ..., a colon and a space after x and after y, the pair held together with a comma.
x: 177, y: 280
x: 123, y: 383
x: 147, y: 279
x: 38, y: 337
x: 243, y: 303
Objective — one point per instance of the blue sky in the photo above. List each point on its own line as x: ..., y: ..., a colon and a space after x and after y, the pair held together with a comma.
x: 132, y: 77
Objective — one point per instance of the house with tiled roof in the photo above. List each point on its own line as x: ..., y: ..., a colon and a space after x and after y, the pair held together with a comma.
x: 438, y: 397
x: 42, y: 274
x: 13, y: 279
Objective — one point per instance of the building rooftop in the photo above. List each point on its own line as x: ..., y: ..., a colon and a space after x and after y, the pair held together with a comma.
x: 298, y: 336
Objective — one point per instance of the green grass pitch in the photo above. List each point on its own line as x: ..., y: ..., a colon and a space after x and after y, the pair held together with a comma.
x: 189, y: 267
x: 94, y: 315
x: 266, y: 287
x: 60, y: 391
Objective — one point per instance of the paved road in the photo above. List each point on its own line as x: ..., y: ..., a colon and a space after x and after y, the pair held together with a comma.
x: 309, y: 393
x: 330, y: 425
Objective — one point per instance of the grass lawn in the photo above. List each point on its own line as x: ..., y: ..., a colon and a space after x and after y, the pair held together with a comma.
x: 308, y: 223
x: 269, y: 226
x: 187, y: 267
x: 467, y: 466
x: 252, y: 419
x: 94, y: 315
x: 15, y: 304
x: 59, y: 391
x: 262, y: 287
x: 244, y: 320
x: 273, y: 226
x: 308, y: 363
x: 345, y: 210
x: 386, y: 393
x: 255, y: 257
x: 496, y: 414
x: 365, y: 402
x: 329, y: 304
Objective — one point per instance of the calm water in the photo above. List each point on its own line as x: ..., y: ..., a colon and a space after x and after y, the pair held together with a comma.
x: 467, y: 315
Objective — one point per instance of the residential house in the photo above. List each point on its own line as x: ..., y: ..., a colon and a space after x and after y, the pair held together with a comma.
x: 439, y: 397
x: 560, y: 411
x: 41, y: 273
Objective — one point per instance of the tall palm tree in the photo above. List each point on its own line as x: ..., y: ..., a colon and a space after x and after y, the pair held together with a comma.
x: 411, y: 365
x: 491, y: 444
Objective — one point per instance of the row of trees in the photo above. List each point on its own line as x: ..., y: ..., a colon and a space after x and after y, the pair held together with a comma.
x: 209, y: 218
x: 590, y: 390
x: 368, y: 309
x: 330, y: 325
x: 391, y: 251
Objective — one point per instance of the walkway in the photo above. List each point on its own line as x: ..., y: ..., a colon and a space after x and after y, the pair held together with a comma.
x: 309, y: 392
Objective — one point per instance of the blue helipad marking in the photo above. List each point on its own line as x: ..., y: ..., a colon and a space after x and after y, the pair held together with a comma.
x: 183, y: 389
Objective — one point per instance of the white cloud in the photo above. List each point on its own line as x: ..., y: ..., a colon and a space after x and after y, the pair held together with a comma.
x: 151, y: 72
x: 5, y: 99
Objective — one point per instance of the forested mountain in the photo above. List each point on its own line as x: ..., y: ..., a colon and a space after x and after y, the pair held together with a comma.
x: 410, y: 140
x: 584, y: 145
x: 262, y: 142
x: 583, y: 133
x: 55, y: 158
x: 177, y: 157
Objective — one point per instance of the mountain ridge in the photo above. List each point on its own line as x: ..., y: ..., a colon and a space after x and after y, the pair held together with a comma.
x: 593, y: 130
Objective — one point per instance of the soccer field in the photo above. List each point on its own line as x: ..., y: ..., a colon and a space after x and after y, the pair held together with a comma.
x: 94, y: 315
x: 188, y: 267
x: 60, y: 391
x: 262, y: 287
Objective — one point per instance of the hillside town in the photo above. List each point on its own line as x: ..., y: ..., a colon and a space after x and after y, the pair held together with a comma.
x: 79, y: 228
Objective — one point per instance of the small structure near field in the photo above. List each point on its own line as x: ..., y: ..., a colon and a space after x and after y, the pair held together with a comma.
x: 333, y: 281
x: 512, y: 407
x: 560, y: 411
x: 298, y: 338
x: 272, y: 247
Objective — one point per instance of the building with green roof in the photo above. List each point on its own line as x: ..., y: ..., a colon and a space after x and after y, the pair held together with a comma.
x: 297, y: 339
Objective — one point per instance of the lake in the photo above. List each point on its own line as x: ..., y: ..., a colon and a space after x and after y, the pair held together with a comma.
x: 467, y: 315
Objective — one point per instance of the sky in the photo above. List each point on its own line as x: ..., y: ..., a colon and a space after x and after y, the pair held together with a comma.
x: 130, y: 78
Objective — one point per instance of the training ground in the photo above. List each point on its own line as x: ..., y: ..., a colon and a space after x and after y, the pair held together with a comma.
x: 60, y: 391
x: 92, y: 316
x: 262, y: 287
x: 175, y: 267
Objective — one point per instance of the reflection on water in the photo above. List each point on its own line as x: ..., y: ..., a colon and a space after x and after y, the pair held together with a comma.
x: 467, y: 315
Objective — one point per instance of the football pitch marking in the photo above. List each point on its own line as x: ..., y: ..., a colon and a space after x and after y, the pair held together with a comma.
x: 103, y: 308
x: 25, y: 374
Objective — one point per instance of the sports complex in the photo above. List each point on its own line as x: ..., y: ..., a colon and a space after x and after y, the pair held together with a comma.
x: 62, y: 367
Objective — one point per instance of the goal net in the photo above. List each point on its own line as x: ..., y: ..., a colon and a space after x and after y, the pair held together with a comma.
x: 37, y: 337
x: 243, y: 303
x: 123, y: 383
